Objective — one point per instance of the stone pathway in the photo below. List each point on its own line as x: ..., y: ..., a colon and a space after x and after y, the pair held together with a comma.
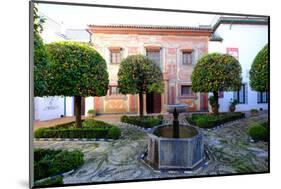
x: 229, y: 148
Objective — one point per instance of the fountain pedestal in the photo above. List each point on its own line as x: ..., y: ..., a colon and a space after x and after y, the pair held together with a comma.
x: 175, y: 146
x: 176, y: 124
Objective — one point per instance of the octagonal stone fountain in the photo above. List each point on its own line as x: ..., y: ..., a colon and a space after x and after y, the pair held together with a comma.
x: 175, y: 146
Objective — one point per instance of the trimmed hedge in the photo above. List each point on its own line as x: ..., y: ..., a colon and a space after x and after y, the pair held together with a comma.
x: 54, y: 162
x: 210, y: 120
x: 145, y: 121
x: 259, y: 131
x: 114, y: 133
x: 90, y: 129
x: 52, y: 181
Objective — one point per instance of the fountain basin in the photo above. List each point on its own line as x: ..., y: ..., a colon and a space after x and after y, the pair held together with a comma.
x: 165, y: 152
x: 179, y: 107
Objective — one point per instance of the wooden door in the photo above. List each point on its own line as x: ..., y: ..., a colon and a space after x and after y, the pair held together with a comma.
x: 156, y: 103
x: 203, y: 101
x: 153, y: 103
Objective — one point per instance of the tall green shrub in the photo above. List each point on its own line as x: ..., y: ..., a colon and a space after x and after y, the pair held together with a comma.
x: 76, y: 70
x: 259, y: 73
x: 216, y: 72
x: 139, y: 75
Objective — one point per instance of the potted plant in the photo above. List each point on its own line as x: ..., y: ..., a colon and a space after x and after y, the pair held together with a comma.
x: 91, y: 113
x: 232, y: 105
x: 212, y: 102
x: 254, y: 112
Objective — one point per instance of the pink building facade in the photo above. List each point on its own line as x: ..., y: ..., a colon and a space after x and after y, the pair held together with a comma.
x: 175, y: 49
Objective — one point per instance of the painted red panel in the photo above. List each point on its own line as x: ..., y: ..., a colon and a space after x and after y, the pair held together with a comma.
x: 172, y: 95
x: 233, y: 52
x: 97, y: 103
x: 132, y: 103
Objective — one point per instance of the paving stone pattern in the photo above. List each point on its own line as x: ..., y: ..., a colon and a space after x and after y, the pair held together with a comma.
x: 229, y: 148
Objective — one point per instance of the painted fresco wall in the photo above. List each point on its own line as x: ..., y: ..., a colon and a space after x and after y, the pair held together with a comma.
x: 175, y: 74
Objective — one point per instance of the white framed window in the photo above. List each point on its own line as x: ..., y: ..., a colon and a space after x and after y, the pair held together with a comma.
x: 153, y: 54
x: 187, y: 57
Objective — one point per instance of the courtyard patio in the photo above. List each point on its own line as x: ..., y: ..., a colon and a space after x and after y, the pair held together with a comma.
x: 228, y: 148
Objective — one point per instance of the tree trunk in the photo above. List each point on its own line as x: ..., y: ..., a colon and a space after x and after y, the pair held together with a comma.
x: 216, y: 105
x: 77, y: 104
x: 141, y: 103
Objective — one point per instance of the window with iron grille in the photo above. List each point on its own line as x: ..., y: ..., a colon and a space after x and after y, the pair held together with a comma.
x: 263, y: 97
x: 114, y: 90
x: 153, y: 55
x: 241, y: 95
x: 186, y: 90
x: 186, y: 58
x: 115, y: 56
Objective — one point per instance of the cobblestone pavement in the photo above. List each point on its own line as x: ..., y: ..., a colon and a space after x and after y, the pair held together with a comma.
x: 229, y: 147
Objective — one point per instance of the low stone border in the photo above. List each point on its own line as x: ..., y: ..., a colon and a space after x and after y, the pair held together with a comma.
x: 137, y: 127
x: 218, y: 126
x: 251, y: 140
x: 142, y: 128
x: 74, y: 139
x: 38, y: 182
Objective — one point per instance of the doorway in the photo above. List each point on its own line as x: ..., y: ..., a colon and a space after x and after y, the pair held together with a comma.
x: 153, y: 102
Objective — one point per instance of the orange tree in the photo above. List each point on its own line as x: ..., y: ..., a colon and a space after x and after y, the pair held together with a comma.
x: 41, y: 56
x: 77, y: 70
x: 139, y: 75
x: 216, y: 72
x: 41, y: 63
x: 259, y: 74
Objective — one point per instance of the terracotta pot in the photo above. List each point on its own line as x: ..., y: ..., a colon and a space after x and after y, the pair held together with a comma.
x: 232, y: 108
x: 213, y: 109
x: 254, y: 113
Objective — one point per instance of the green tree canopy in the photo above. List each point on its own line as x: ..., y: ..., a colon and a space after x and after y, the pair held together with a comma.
x: 76, y: 70
x: 41, y: 56
x: 216, y: 72
x: 259, y: 74
x: 139, y: 75
x: 41, y: 64
x: 38, y: 21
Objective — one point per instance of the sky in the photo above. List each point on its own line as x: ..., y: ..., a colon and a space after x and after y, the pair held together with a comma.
x: 80, y: 16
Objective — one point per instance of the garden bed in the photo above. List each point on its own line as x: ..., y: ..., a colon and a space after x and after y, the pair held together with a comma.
x: 49, y: 165
x: 90, y: 129
x: 210, y: 120
x: 145, y: 121
x: 259, y: 131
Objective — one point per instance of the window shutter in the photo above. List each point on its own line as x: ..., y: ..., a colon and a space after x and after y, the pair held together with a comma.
x: 246, y: 93
x: 259, y: 97
x: 179, y: 57
x: 235, y: 95
x: 122, y: 54
x: 107, y: 55
x: 162, y: 56
x: 194, y: 56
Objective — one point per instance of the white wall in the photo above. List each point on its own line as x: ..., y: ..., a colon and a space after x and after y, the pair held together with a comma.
x: 69, y: 106
x: 89, y: 104
x: 249, y: 39
x: 48, y: 107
